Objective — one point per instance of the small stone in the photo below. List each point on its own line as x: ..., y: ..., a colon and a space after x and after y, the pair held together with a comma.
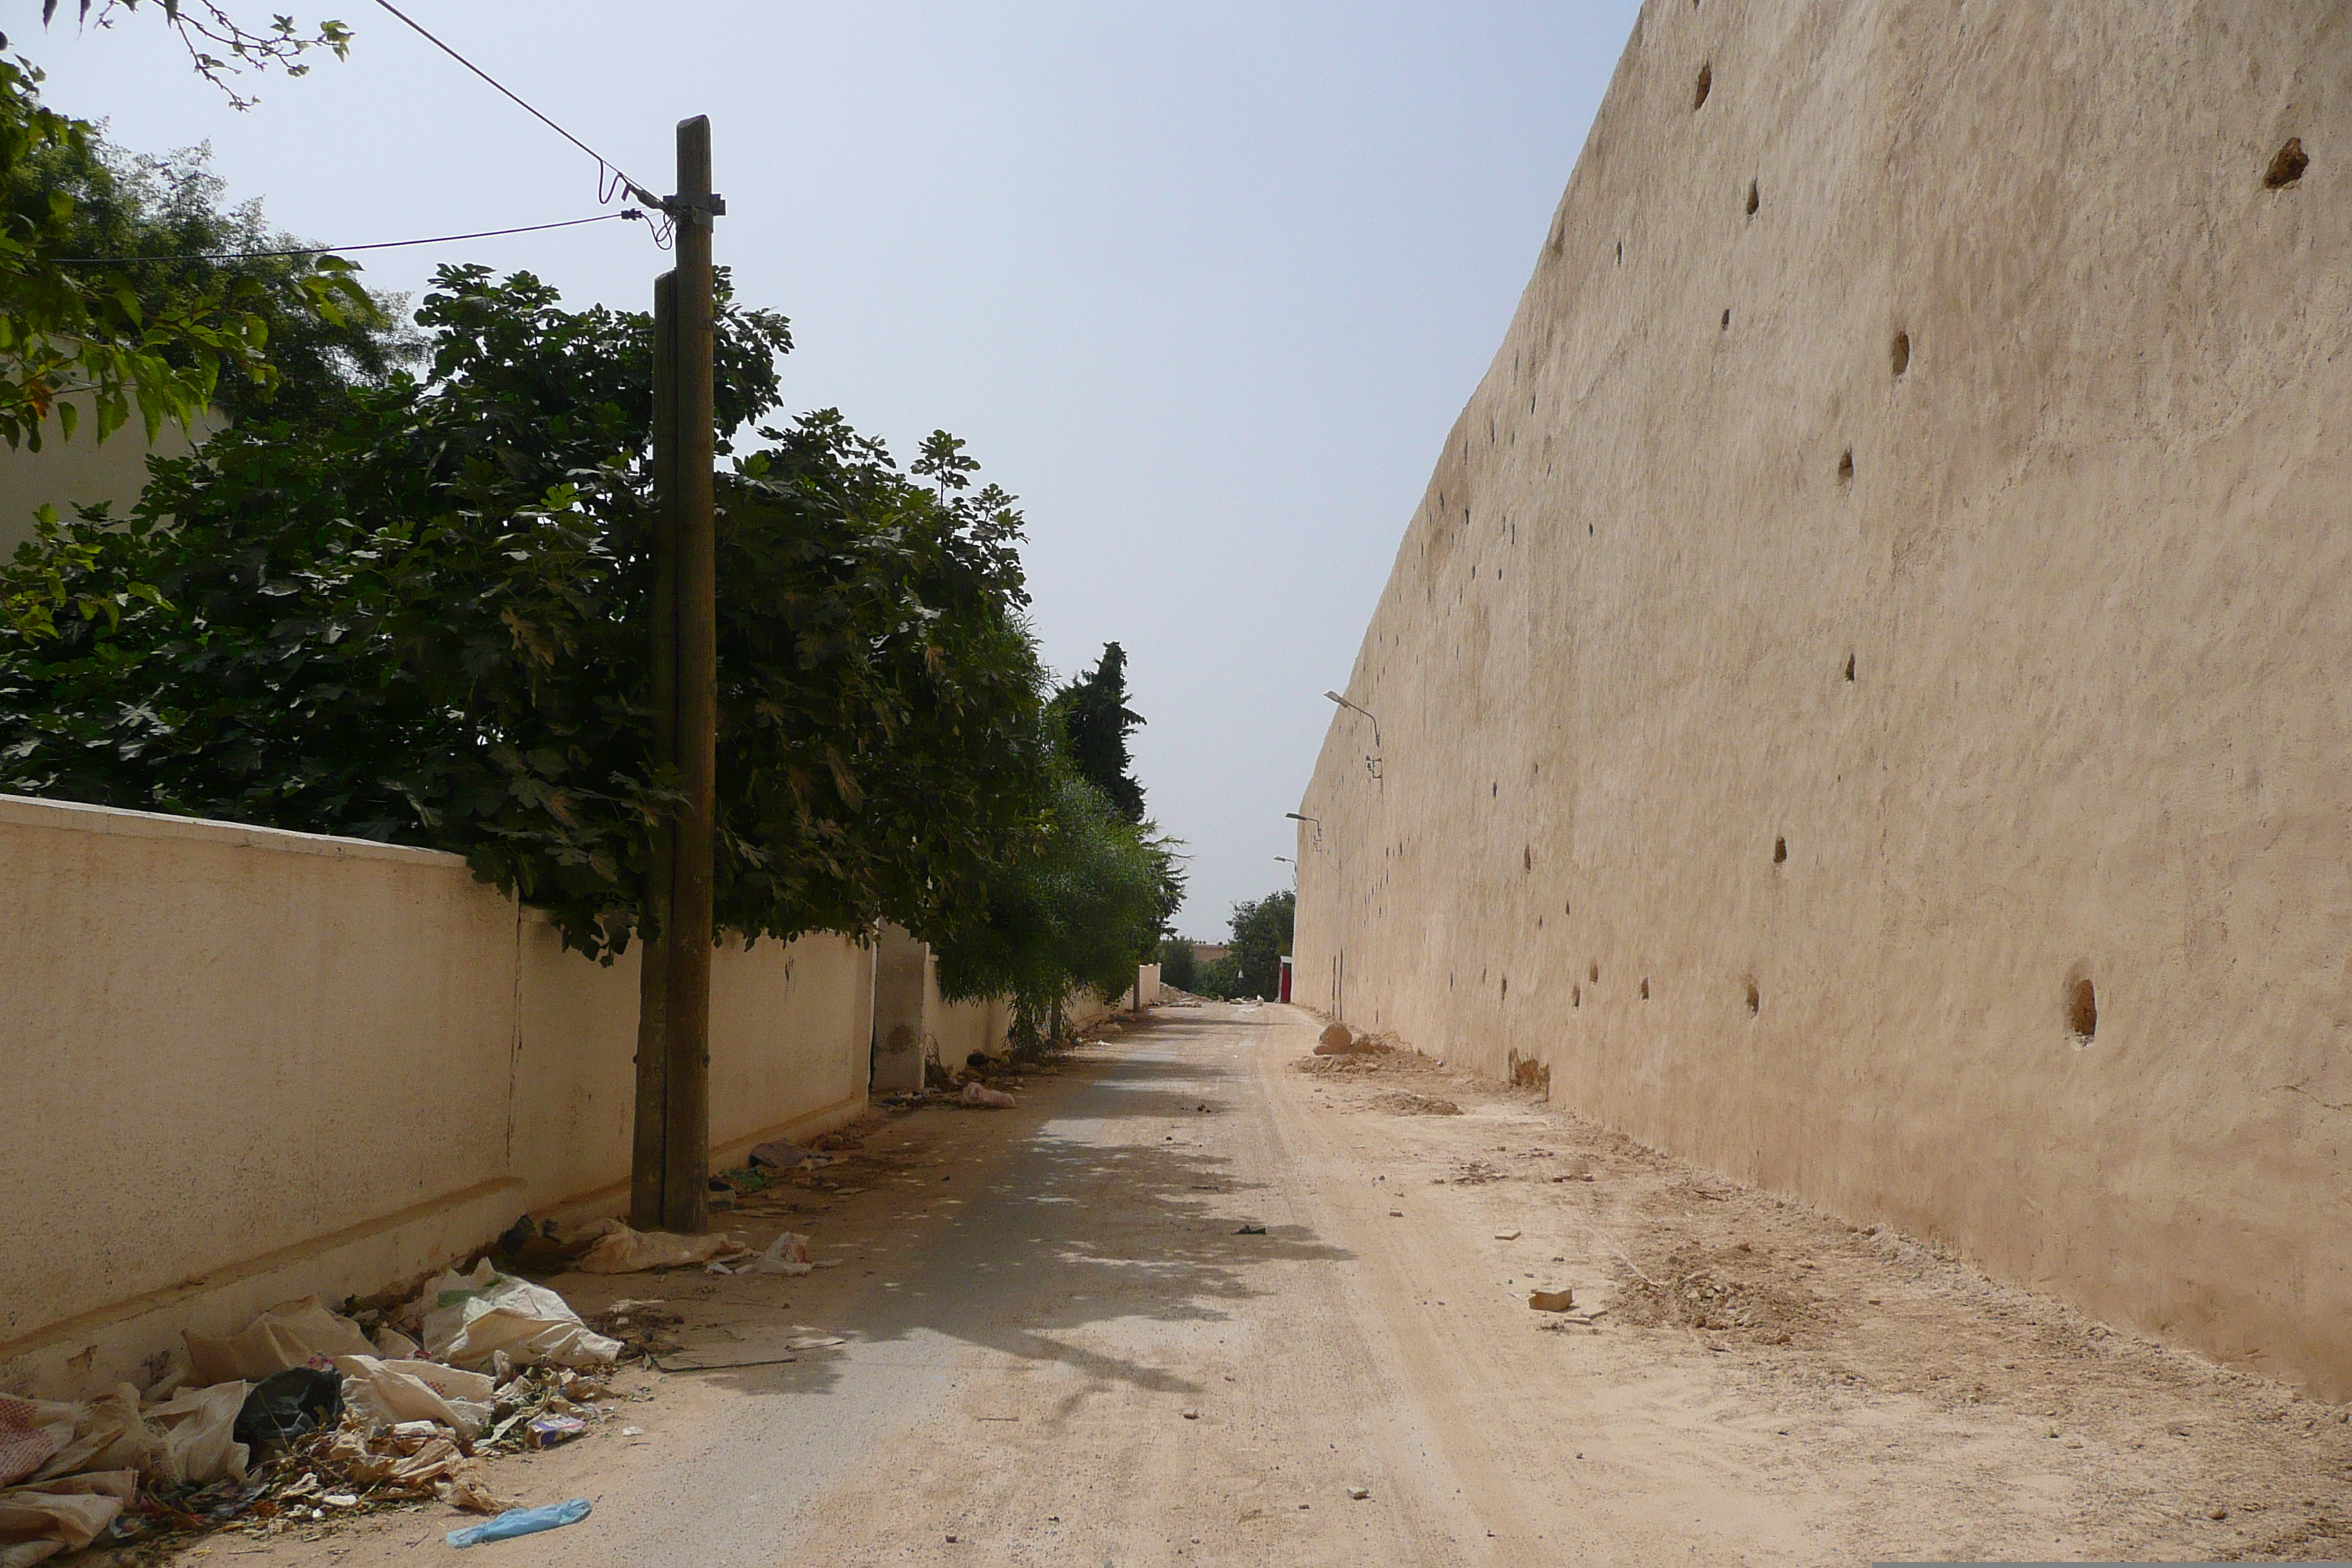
x: 1191, y: 1415
x: 1552, y: 1301
x: 1506, y: 1235
x: 1360, y: 1493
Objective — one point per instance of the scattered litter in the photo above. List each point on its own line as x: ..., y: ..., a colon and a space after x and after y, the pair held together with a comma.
x: 1506, y: 1235
x: 1251, y: 1230
x: 1552, y: 1301
x: 1360, y: 1493
x: 553, y: 1431
x: 693, y: 1362
x: 633, y: 1431
x: 1191, y: 1415
x: 783, y: 1155
x: 470, y: 1493
x: 814, y: 1341
x: 643, y: 1328
x: 788, y: 1254
x: 289, y: 1404
x: 977, y: 1093
x: 521, y: 1521
x: 1396, y: 1213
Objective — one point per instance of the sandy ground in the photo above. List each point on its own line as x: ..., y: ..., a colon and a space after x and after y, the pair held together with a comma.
x: 1058, y: 1350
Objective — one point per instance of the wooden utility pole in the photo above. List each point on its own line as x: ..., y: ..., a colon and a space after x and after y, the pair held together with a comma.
x: 648, y: 1166
x: 669, y: 1176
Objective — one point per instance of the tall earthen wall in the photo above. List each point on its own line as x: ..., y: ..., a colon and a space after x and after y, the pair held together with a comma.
x: 1867, y: 699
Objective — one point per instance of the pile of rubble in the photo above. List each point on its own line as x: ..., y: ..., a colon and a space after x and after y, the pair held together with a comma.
x: 305, y: 1415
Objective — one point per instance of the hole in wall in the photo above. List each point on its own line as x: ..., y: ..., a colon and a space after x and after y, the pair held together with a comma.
x: 1507, y: 986
x: 1755, y: 199
x: 1845, y: 465
x: 1528, y: 858
x: 1726, y: 320
x: 1645, y: 988
x: 1849, y: 666
x: 1705, y: 86
x: 2082, y: 1010
x: 1780, y: 851
x: 2286, y: 166
x: 1901, y: 353
x: 1575, y: 995
x: 1593, y: 974
x: 1621, y: 253
x: 1565, y: 908
x: 1755, y: 999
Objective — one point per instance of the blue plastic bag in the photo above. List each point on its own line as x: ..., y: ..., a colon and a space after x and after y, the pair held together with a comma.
x: 522, y: 1521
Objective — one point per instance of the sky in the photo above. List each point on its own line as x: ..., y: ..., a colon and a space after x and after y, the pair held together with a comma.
x: 1203, y: 284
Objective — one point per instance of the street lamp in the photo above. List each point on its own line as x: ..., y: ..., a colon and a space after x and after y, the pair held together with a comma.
x: 1359, y: 708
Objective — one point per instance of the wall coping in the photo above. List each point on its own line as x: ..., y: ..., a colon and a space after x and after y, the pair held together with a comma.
x: 73, y: 817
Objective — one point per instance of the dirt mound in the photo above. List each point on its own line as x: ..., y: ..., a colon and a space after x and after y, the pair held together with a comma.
x: 1417, y: 1105
x: 1730, y: 1292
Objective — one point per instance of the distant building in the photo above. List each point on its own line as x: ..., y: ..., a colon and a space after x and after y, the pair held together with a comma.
x: 82, y: 472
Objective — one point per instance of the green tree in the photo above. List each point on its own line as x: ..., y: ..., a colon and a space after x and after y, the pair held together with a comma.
x: 1094, y: 719
x: 73, y: 334
x: 1262, y: 930
x: 423, y: 620
x: 160, y: 227
x: 1177, y: 966
x: 1081, y: 907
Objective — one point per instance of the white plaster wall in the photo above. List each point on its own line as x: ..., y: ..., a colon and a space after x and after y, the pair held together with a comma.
x: 83, y: 472
x: 2090, y: 568
x: 236, y: 1062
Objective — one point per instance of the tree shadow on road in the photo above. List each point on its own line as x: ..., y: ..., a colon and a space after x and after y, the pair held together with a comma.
x: 1091, y: 1214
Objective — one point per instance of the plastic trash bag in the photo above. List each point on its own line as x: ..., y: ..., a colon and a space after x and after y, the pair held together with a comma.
x: 469, y: 1317
x: 107, y: 1435
x: 620, y: 1250
x: 287, y: 1336
x: 292, y: 1404
x: 386, y: 1393
x: 72, y: 1509
x: 31, y: 1433
x: 195, y: 1436
x: 521, y: 1521
x: 393, y: 1345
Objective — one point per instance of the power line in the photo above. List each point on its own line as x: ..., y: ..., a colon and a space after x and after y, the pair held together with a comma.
x: 602, y: 162
x: 333, y: 250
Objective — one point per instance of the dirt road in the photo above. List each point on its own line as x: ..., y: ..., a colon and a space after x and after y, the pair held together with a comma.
x: 1059, y: 1347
